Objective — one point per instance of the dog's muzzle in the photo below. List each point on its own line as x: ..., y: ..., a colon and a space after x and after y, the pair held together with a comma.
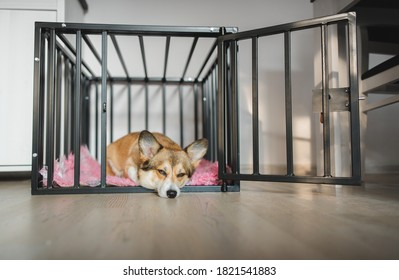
x: 171, y: 193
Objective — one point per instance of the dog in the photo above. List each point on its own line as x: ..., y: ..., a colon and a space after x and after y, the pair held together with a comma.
x: 154, y: 161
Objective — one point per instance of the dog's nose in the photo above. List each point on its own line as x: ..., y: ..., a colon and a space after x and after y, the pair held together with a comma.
x: 171, y: 193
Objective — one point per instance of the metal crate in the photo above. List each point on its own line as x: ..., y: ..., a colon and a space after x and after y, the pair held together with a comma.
x: 74, y: 105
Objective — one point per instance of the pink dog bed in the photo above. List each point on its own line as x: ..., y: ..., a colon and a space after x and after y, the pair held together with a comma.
x: 206, y: 173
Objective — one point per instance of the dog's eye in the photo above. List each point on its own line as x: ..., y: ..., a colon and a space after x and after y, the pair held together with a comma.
x: 181, y: 175
x: 162, y: 172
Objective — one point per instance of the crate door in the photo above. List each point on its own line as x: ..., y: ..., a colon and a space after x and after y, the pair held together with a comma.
x: 288, y: 103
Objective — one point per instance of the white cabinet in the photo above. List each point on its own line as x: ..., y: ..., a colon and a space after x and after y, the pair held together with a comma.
x: 17, y: 20
x: 16, y: 83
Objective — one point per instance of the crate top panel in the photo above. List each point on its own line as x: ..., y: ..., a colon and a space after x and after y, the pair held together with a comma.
x: 125, y: 29
x: 140, y: 53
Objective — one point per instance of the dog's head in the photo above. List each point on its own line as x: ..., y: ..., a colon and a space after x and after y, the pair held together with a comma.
x: 167, y: 169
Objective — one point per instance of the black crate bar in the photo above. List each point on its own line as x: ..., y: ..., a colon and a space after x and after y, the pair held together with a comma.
x: 165, y: 67
x: 286, y: 29
x: 325, y: 103
x: 111, y: 110
x: 163, y: 108
x: 118, y: 51
x: 64, y: 111
x: 255, y: 106
x: 103, y: 142
x: 67, y: 107
x: 77, y: 112
x: 37, y: 133
x: 190, y: 55
x: 209, y: 90
x: 204, y: 95
x: 86, y: 125
x: 51, y: 66
x: 96, y: 124
x: 181, y: 124
x: 222, y: 61
x: 196, y: 126
x: 205, y: 112
x: 211, y: 103
x: 354, y: 97
x: 233, y: 141
x: 194, y: 44
x: 94, y: 51
x: 227, y: 81
x: 129, y: 108
x: 214, y: 113
x: 58, y: 96
x: 288, y: 104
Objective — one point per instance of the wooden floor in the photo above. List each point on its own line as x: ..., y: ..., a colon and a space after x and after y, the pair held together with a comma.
x: 263, y: 221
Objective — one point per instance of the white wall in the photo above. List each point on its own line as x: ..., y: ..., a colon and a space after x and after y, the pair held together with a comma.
x: 73, y: 11
x: 245, y: 15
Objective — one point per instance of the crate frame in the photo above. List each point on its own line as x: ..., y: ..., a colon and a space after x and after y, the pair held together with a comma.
x: 218, y: 90
x: 51, y: 44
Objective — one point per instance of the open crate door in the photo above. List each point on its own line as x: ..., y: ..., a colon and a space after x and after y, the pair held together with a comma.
x: 315, y: 128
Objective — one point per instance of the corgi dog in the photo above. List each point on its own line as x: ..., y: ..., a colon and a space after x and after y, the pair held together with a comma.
x: 154, y: 161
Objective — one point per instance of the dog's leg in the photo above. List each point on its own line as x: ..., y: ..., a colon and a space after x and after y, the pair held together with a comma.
x: 132, y: 174
x: 112, y: 170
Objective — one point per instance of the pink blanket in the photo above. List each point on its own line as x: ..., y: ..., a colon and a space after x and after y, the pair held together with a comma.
x: 90, y: 173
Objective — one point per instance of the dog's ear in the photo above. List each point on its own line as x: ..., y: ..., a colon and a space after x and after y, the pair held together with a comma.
x: 149, y: 146
x: 197, y: 150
